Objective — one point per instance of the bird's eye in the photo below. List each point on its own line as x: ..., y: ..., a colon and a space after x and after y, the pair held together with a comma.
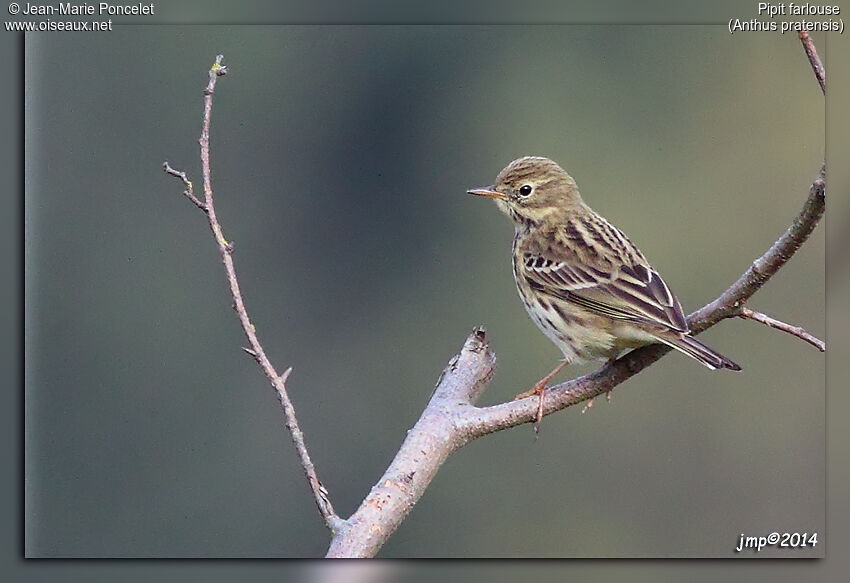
x: 525, y: 190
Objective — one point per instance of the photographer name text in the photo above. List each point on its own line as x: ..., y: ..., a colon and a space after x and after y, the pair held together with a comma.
x: 99, y: 9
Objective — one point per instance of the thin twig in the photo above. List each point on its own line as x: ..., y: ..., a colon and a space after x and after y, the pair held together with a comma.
x: 814, y: 59
x: 225, y: 249
x: 730, y: 301
x: 747, y: 313
x: 190, y: 190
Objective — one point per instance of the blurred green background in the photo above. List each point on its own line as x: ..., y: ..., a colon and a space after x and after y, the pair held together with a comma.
x: 341, y: 156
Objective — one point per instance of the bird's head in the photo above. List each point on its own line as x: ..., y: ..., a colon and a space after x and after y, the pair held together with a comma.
x: 533, y: 189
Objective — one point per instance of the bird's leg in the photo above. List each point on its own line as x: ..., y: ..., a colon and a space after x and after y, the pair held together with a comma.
x: 540, y: 386
x: 609, y: 362
x: 540, y: 390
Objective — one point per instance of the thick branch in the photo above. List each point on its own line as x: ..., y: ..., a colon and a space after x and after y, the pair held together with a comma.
x: 434, y: 437
x: 797, y: 331
x: 451, y: 418
x: 256, y: 350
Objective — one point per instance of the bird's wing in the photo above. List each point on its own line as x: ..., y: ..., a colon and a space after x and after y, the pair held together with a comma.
x: 634, y: 293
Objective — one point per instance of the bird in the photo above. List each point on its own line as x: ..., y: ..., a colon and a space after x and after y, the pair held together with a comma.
x: 584, y: 283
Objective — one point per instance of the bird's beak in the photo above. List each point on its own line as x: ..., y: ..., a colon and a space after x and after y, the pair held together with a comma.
x: 486, y: 191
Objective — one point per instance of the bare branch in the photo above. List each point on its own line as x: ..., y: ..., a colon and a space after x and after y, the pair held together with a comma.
x: 814, y: 59
x: 225, y: 249
x: 451, y: 418
x: 747, y: 313
x: 434, y: 437
x: 764, y: 267
x: 190, y: 191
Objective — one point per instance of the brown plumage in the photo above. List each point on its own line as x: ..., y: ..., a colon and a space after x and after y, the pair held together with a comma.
x: 583, y: 282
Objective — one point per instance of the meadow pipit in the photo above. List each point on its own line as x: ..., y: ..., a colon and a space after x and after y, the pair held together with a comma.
x: 583, y: 282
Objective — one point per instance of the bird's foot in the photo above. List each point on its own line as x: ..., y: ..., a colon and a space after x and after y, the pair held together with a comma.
x: 539, y: 389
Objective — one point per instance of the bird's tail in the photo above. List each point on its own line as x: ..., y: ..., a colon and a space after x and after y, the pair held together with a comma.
x: 699, y: 351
